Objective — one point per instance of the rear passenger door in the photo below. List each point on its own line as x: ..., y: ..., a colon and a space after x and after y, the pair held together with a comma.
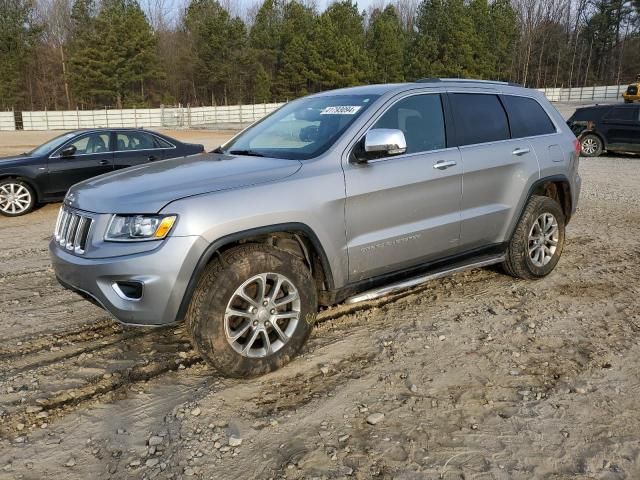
x: 135, y: 148
x: 404, y: 210
x: 496, y: 167
x: 623, y: 127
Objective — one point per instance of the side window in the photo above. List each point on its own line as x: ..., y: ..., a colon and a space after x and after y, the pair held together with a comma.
x: 622, y: 113
x: 479, y: 118
x: 94, y: 143
x: 527, y: 117
x: 421, y: 120
x: 160, y: 143
x: 134, y: 141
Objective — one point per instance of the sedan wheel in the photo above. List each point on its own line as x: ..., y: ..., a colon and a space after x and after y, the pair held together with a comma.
x: 16, y: 198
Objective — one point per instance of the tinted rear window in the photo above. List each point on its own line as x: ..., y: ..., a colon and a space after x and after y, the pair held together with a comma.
x: 527, y: 117
x: 587, y: 114
x: 479, y: 118
x: 622, y: 113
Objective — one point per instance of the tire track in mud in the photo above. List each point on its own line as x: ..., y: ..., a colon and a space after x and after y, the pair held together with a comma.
x: 73, y: 343
x: 98, y: 388
x: 54, y: 338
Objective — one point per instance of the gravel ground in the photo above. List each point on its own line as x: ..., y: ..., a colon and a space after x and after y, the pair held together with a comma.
x: 477, y: 376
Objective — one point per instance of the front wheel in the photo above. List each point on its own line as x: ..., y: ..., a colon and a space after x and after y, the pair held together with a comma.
x: 253, y: 310
x: 536, y: 244
x: 16, y: 198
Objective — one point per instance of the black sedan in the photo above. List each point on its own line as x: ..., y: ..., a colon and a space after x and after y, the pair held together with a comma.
x: 46, y: 173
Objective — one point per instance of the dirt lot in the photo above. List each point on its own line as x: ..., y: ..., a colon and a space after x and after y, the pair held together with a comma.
x: 478, y: 376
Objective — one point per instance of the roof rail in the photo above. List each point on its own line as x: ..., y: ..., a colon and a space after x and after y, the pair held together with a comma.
x: 466, y: 80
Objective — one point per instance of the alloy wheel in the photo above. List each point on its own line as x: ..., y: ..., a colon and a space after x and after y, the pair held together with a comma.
x: 14, y: 198
x: 262, y: 315
x: 543, y: 239
x: 589, y: 146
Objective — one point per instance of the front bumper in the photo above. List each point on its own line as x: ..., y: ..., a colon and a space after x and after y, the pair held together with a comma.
x: 164, y: 273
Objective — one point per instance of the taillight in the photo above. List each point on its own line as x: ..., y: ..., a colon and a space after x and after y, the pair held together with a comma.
x: 577, y: 147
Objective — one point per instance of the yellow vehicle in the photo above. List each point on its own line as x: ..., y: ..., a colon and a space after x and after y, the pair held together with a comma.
x: 632, y: 94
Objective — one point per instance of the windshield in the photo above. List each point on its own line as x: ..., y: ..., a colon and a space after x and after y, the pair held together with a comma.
x: 301, y: 129
x: 51, y: 145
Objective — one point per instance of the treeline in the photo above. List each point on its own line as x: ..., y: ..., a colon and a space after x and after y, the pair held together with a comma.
x: 61, y: 54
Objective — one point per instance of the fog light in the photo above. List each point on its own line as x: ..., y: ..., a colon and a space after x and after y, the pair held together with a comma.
x: 128, y: 290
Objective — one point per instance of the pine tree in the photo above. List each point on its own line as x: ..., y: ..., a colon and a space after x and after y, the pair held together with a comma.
x: 443, y: 44
x: 218, y: 41
x: 385, y: 46
x: 266, y: 32
x: 114, y: 54
x: 341, y: 59
x: 18, y: 35
x: 296, y: 53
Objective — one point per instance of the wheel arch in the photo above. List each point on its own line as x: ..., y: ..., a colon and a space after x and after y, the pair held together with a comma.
x: 27, y: 180
x: 556, y: 187
x: 296, y: 238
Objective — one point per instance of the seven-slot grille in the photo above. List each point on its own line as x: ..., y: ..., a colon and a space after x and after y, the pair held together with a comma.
x: 72, y: 230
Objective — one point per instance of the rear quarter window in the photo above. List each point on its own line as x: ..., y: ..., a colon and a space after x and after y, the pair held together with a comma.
x: 479, y: 118
x: 527, y: 117
x: 622, y: 113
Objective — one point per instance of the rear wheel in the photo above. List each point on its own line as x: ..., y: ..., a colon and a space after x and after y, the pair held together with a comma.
x: 16, y: 198
x: 537, y: 243
x: 253, y: 310
x: 591, y: 145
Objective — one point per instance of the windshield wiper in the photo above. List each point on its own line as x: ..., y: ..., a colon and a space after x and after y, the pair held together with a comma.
x: 250, y: 153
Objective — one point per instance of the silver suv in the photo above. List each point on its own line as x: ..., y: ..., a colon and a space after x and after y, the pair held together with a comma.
x: 344, y: 195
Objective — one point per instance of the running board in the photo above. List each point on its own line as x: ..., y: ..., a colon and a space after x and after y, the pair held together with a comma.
x: 415, y: 281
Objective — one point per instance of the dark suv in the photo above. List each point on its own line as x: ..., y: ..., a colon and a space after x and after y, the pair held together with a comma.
x: 615, y: 128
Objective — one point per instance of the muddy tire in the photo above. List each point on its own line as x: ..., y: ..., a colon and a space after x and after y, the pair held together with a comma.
x: 536, y: 244
x: 234, y: 320
x: 16, y: 198
x: 591, y: 146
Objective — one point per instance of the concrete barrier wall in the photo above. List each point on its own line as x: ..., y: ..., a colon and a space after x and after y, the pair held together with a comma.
x: 171, y: 117
x: 7, y: 122
x: 581, y: 94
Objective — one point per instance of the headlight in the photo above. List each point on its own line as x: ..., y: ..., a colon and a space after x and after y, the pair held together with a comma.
x: 131, y: 228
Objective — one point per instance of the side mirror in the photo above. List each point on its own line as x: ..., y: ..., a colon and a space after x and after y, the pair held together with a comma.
x: 68, y: 151
x: 385, y: 141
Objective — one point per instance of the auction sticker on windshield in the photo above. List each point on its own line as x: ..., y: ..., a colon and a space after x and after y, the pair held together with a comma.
x: 341, y: 110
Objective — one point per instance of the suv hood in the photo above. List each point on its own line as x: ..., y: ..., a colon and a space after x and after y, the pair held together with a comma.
x: 148, y: 188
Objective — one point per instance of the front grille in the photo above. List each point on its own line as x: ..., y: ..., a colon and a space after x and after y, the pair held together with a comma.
x: 72, y: 230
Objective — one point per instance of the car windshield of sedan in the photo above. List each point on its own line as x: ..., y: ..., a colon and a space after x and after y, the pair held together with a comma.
x: 301, y: 129
x: 51, y: 145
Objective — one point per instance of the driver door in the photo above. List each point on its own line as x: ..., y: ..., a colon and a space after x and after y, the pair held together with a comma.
x: 93, y: 156
x: 404, y: 210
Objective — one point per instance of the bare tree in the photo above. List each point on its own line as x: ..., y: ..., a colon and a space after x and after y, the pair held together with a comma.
x: 407, y: 10
x: 55, y: 15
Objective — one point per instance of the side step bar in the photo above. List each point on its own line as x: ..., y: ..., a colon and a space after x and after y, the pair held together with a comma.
x: 415, y: 281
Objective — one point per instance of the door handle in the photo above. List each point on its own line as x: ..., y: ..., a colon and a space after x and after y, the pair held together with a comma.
x: 521, y: 151
x: 104, y: 162
x: 151, y: 158
x: 442, y: 165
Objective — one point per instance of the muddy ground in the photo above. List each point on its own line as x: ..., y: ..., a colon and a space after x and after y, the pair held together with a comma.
x: 477, y: 376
